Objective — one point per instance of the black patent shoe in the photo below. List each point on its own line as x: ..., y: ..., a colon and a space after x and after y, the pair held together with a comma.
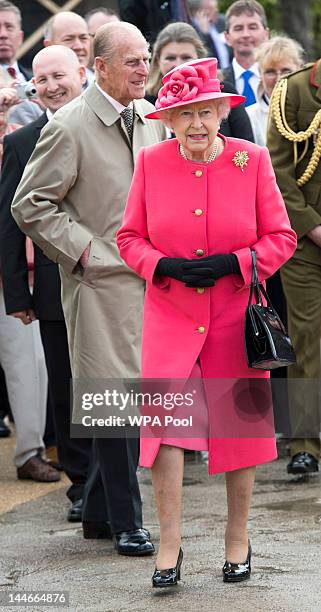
x: 134, y: 543
x: 75, y: 511
x: 4, y: 429
x: 302, y: 463
x: 236, y: 572
x: 168, y: 577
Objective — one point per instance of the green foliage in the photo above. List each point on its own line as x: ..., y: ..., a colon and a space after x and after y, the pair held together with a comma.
x: 271, y: 8
x: 316, y: 12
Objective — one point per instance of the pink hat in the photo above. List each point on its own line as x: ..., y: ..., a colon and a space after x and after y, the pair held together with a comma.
x: 192, y: 82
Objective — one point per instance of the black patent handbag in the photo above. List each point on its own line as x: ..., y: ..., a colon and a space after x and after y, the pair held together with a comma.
x: 267, y: 343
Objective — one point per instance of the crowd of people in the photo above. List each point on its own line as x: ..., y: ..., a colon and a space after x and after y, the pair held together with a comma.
x: 208, y: 127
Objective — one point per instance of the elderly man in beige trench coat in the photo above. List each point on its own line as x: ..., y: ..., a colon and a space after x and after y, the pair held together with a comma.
x: 70, y: 201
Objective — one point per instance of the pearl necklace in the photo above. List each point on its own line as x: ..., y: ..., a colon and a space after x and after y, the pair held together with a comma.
x: 212, y: 156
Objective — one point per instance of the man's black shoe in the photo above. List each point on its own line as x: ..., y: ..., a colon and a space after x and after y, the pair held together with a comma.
x: 97, y: 530
x: 4, y: 430
x: 302, y: 463
x: 134, y: 543
x: 75, y: 512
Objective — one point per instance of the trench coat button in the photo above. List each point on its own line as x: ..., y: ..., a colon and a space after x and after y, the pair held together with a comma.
x: 201, y: 329
x: 198, y: 173
x: 198, y: 212
x: 199, y: 252
x: 200, y: 290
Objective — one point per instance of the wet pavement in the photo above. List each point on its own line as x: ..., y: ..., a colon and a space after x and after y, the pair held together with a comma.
x: 40, y: 551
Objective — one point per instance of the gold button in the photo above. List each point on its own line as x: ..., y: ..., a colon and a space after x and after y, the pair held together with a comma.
x: 199, y: 252
x: 198, y: 212
x: 200, y: 289
x: 201, y: 329
x: 198, y: 173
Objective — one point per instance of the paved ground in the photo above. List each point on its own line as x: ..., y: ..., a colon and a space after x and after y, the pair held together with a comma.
x: 39, y: 550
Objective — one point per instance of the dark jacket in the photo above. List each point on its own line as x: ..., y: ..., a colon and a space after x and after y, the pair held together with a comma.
x: 150, y: 16
x: 229, y: 75
x: 45, y: 300
x: 26, y: 73
x: 237, y: 124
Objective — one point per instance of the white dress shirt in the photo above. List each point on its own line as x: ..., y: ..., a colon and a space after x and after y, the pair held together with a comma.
x: 239, y: 81
x: 258, y: 114
x: 118, y: 106
x: 20, y: 77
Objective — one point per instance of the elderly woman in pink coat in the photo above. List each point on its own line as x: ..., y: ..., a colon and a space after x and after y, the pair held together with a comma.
x: 197, y: 206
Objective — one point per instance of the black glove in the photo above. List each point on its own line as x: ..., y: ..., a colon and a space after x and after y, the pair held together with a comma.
x: 199, y: 272
x: 171, y: 266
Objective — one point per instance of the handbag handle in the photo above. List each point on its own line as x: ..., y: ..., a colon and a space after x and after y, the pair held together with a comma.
x: 255, y: 285
x: 258, y: 290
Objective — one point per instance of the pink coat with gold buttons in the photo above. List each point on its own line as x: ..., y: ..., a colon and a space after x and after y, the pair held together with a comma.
x: 179, y: 208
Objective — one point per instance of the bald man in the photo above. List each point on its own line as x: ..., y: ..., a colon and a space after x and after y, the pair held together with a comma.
x: 94, y: 19
x: 70, y: 30
x: 58, y: 78
x: 71, y: 201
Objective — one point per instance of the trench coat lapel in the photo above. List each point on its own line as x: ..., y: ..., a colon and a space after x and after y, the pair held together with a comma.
x: 139, y: 134
x: 101, y: 106
x: 109, y: 116
x: 105, y: 110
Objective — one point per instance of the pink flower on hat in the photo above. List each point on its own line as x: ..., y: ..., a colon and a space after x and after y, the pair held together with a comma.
x: 184, y: 85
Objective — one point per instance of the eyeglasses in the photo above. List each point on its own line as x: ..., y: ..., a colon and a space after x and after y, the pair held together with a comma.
x: 272, y: 74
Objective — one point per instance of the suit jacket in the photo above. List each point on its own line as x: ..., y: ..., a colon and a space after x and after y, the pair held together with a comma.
x: 237, y: 124
x: 73, y: 193
x: 46, y: 300
x: 229, y: 74
x: 26, y: 73
x: 302, y: 102
x: 150, y: 16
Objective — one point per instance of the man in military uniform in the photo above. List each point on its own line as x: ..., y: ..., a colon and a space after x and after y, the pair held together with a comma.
x: 294, y: 140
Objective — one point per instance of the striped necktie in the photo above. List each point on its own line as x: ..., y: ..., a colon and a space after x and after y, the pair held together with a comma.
x: 128, y: 117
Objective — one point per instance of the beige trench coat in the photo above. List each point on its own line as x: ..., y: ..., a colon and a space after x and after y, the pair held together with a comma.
x: 73, y: 192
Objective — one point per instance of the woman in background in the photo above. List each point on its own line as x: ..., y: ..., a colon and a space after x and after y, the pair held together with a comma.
x: 276, y: 57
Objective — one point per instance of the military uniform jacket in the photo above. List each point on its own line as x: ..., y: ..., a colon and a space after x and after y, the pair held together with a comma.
x: 303, y: 101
